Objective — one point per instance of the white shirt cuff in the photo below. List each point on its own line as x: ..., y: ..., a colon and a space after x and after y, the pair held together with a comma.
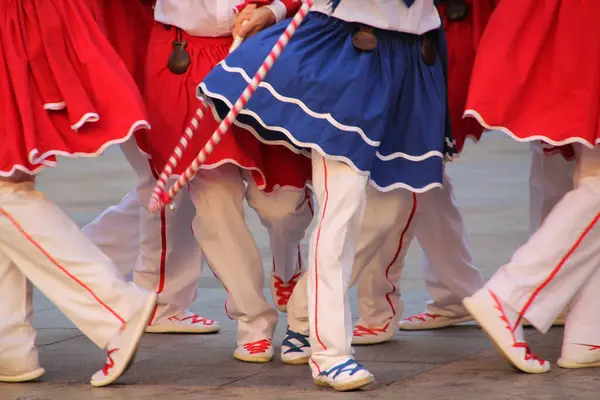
x: 278, y: 8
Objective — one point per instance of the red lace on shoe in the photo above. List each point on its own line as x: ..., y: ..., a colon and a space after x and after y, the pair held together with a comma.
x: 360, y: 330
x: 110, y: 364
x: 422, y: 317
x: 528, y: 354
x: 503, y: 316
x: 519, y: 345
x: 258, y: 347
x: 284, y: 290
x: 592, y: 347
x: 195, y: 319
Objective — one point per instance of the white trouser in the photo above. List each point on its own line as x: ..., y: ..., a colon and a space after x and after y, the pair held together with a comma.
x: 286, y: 214
x: 117, y: 232
x: 161, y: 246
x: 550, y: 178
x: 41, y: 244
x: 341, y: 230
x: 382, y: 242
x: 447, y: 263
x: 230, y: 249
x: 561, y: 261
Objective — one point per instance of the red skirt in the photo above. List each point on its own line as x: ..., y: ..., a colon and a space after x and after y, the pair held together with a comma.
x: 537, y: 72
x: 463, y: 38
x: 63, y: 89
x: 172, y: 102
x: 128, y: 24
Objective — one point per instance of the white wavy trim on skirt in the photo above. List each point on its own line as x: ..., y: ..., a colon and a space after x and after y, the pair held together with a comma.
x: 313, y: 146
x: 61, y: 105
x: 291, y: 100
x: 474, y: 114
x: 208, y: 167
x: 88, y: 117
x: 328, y: 118
x: 41, y: 159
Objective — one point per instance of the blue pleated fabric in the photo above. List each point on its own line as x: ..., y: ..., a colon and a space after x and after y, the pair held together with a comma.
x: 381, y: 112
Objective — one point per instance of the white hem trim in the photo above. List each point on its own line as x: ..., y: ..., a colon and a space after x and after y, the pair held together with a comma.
x: 224, y: 161
x: 284, y: 99
x: 309, y: 112
x: 313, y: 146
x: 87, y: 117
x: 34, y: 158
x: 61, y: 105
x: 399, y: 154
x: 474, y: 114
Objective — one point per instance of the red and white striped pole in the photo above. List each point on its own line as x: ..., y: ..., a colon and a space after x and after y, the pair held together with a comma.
x: 188, y: 134
x: 159, y: 198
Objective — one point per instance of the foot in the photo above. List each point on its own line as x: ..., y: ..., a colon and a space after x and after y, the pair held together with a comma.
x: 21, y: 376
x: 579, y: 356
x: 347, y: 375
x: 295, y: 348
x: 504, y: 329
x: 184, y: 322
x: 365, y: 335
x: 255, y: 352
x: 427, y: 321
x: 282, y: 291
x: 122, y: 348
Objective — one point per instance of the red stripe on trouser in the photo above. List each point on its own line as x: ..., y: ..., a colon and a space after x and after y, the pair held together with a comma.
x: 317, y: 256
x: 556, y: 270
x: 400, y: 246
x: 163, y: 241
x: 63, y: 269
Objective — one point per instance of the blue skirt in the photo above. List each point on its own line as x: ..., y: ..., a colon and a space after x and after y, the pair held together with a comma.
x: 381, y: 112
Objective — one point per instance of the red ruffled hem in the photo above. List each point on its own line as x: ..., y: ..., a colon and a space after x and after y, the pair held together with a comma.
x: 63, y: 94
x: 37, y: 159
x: 547, y: 85
x: 172, y: 103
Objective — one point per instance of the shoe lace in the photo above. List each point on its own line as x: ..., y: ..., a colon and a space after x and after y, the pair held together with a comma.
x: 360, y: 330
x: 293, y: 347
x: 350, y: 366
x: 519, y: 345
x: 422, y: 317
x: 260, y: 346
x: 196, y: 319
x: 503, y: 316
x: 110, y: 363
x: 283, y: 290
x: 528, y: 354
